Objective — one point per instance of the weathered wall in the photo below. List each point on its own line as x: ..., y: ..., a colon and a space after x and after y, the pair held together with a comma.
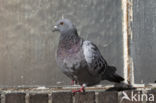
x: 27, y: 45
x: 144, y: 40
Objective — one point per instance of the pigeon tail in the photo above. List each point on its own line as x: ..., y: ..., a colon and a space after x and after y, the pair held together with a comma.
x: 110, y: 75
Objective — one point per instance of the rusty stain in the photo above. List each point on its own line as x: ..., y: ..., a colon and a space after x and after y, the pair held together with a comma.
x: 127, y: 34
x: 125, y: 38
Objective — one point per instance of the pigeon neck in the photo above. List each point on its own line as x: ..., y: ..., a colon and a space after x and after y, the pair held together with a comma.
x: 68, y: 39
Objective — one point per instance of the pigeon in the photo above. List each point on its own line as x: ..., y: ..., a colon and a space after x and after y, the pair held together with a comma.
x: 80, y: 59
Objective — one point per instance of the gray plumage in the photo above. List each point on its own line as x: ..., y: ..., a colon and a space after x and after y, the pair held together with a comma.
x: 80, y: 59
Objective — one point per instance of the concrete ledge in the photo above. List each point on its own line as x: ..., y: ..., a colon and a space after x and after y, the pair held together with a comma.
x: 15, y: 98
x: 62, y: 97
x: 51, y: 95
x: 38, y: 98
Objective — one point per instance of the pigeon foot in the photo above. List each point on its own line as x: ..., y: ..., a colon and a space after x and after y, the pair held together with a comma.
x: 81, y: 90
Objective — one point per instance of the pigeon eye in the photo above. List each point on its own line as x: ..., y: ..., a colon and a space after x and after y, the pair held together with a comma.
x: 61, y: 23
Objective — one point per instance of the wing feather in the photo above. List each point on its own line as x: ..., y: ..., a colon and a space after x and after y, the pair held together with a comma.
x: 94, y: 59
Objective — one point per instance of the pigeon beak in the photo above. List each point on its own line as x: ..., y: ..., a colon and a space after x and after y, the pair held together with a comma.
x: 55, y: 28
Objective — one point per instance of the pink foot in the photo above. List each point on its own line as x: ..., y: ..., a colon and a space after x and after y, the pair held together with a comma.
x: 82, y: 89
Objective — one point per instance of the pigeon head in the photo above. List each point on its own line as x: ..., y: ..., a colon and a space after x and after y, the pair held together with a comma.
x: 63, y: 25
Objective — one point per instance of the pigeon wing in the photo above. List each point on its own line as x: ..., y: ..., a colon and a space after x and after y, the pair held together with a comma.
x: 97, y: 64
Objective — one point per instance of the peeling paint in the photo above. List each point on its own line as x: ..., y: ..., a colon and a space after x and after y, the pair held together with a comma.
x: 130, y: 35
x: 127, y: 36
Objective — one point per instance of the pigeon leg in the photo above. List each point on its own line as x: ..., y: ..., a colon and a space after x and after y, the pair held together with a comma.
x: 82, y: 89
x: 74, y: 82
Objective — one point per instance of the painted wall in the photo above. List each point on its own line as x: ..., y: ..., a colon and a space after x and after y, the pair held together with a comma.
x: 144, y: 40
x: 27, y: 44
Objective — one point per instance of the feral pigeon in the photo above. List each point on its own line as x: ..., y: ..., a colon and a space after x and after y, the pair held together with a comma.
x: 80, y: 59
